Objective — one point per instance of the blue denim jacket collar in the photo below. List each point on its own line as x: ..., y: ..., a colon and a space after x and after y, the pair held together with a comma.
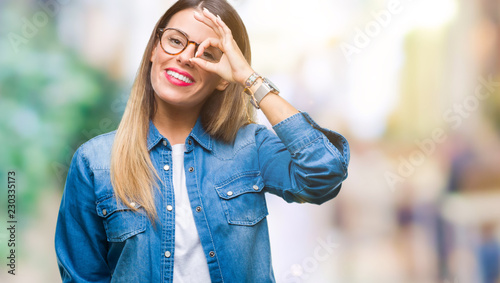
x: 154, y: 136
x: 198, y: 134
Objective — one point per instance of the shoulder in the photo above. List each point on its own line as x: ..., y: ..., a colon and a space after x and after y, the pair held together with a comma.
x: 248, y: 136
x: 249, y: 131
x: 253, y: 134
x: 97, y: 151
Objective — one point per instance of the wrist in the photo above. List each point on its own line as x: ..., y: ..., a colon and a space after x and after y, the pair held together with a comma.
x: 255, y: 86
x: 249, y: 79
x: 259, y: 88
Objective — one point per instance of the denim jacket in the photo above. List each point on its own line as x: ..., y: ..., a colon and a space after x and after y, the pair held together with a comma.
x: 99, y: 239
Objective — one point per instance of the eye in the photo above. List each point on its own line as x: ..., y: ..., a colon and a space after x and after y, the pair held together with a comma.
x: 208, y: 56
x: 212, y: 54
x: 175, y: 41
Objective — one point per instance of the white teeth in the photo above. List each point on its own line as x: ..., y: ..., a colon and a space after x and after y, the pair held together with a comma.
x: 179, y: 77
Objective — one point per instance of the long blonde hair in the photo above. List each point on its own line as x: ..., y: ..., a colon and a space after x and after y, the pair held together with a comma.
x: 132, y: 173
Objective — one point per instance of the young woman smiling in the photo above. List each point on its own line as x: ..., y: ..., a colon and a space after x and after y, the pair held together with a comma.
x: 176, y: 194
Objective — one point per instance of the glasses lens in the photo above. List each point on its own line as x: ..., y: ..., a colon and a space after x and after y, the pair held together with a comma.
x: 173, y: 41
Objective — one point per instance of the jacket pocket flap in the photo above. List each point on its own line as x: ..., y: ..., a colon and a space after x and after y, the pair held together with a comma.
x: 110, y: 204
x: 120, y: 221
x: 244, y: 183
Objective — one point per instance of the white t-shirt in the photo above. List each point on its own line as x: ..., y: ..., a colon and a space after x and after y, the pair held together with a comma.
x: 190, y: 264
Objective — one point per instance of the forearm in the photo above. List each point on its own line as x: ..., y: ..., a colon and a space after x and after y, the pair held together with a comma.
x: 275, y: 107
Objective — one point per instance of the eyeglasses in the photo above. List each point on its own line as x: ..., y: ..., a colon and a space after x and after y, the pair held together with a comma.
x: 174, y: 42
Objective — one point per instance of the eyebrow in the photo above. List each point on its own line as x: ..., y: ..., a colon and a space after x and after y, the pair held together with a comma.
x: 183, y: 32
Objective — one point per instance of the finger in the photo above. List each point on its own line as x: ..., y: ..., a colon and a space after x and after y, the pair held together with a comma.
x: 216, y: 20
x: 223, y: 25
x: 207, y: 43
x: 209, y: 15
x: 202, y: 17
x: 205, y: 18
x: 205, y: 65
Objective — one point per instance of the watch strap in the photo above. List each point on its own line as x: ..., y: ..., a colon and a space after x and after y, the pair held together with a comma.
x: 251, y: 80
x: 261, y: 92
x: 264, y: 89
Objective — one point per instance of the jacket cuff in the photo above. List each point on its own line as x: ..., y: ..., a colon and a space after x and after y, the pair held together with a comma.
x: 299, y: 130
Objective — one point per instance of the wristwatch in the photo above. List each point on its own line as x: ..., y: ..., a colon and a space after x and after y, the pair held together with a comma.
x: 264, y: 89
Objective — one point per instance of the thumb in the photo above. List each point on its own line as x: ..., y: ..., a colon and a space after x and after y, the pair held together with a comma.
x: 205, y: 65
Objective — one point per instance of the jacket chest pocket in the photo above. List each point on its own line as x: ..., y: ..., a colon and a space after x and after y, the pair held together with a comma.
x: 120, y: 222
x: 242, y: 199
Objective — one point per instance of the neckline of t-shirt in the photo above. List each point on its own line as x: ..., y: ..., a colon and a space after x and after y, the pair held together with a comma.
x: 178, y: 148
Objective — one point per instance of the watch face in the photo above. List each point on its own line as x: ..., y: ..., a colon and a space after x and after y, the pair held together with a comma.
x: 274, y: 88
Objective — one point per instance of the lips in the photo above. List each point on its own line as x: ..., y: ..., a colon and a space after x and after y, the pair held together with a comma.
x: 178, y: 77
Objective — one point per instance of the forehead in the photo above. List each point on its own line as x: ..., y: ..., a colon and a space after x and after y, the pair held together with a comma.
x: 185, y: 21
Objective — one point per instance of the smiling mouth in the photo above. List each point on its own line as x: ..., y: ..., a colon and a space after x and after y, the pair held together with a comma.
x: 179, y: 77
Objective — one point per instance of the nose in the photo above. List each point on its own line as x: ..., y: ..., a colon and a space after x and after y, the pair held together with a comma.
x: 196, y: 45
x: 188, y: 53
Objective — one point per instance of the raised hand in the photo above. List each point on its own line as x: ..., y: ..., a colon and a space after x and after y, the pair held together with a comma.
x: 233, y: 66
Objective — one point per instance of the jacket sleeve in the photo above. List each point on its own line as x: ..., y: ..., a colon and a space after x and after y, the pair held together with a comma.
x: 80, y: 239
x: 304, y: 162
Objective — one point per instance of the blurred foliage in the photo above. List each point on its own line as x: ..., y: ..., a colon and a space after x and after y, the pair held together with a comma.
x: 51, y: 101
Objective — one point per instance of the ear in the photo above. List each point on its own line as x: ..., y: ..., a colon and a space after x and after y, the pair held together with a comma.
x: 222, y: 85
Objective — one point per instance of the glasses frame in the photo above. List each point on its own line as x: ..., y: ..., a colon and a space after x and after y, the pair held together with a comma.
x: 160, y: 33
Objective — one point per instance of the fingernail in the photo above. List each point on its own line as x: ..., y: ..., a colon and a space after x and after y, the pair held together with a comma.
x: 196, y: 54
x: 219, y: 17
x: 196, y: 13
x: 206, y: 10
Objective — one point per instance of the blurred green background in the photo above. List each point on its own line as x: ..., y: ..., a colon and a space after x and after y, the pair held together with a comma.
x: 413, y: 85
x: 51, y: 101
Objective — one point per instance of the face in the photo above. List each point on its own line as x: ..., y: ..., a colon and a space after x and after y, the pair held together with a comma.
x: 176, y: 81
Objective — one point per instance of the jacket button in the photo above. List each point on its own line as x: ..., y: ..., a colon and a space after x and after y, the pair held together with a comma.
x: 230, y: 193
x: 165, y: 143
x: 167, y: 254
x: 255, y: 187
x: 190, y: 142
x: 104, y: 212
x: 169, y: 207
x: 211, y: 254
x: 166, y: 167
x: 198, y: 208
x: 132, y: 204
x: 191, y: 169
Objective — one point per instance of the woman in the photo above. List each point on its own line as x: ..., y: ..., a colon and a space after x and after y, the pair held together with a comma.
x: 177, y: 192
